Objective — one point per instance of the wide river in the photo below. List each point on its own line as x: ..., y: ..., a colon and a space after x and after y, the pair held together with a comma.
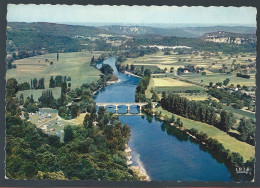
x: 163, y: 151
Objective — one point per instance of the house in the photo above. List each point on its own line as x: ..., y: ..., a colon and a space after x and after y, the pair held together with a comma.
x: 185, y: 71
x: 198, y: 70
x: 233, y: 88
x: 216, y: 87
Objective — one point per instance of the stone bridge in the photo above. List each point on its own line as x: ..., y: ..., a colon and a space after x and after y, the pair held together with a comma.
x: 116, y: 104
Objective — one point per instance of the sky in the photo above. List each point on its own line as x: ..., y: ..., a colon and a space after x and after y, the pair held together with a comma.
x: 132, y: 14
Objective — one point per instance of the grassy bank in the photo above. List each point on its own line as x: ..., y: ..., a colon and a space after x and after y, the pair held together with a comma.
x: 245, y: 150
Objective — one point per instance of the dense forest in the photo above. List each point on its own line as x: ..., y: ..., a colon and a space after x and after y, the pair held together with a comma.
x: 31, y: 40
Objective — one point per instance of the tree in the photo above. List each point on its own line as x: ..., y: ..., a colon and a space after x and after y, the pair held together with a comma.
x: 155, y: 97
x: 35, y: 83
x: 62, y: 98
x: 246, y: 129
x: 14, y: 56
x: 41, y: 84
x: 11, y: 87
x: 106, y: 69
x: 164, y: 94
x: 75, y: 110
x: 57, y: 56
x: 225, y: 82
x: 26, y: 115
x: 127, y: 67
x: 58, y: 81
x: 86, y: 120
x: 64, y: 87
x: 93, y: 113
x: 21, y: 99
x: 101, y: 112
x: 226, y: 120
x: 68, y: 134
x: 178, y: 122
x: 172, y: 119
x: 9, y: 61
x: 63, y: 112
x: 142, y: 68
x: 147, y: 72
x: 52, y: 83
x: 210, y: 84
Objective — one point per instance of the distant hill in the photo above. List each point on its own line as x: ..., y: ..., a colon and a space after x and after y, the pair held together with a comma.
x: 229, y: 38
x: 56, y: 29
x: 189, y: 32
x: 47, y: 37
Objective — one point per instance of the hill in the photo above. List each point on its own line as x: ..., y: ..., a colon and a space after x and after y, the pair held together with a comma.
x: 190, y: 32
x: 56, y: 29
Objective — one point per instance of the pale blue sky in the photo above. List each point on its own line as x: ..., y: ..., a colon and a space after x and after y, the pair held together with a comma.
x: 134, y: 14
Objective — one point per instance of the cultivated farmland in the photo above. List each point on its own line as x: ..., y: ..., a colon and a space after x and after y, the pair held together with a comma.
x: 76, y: 65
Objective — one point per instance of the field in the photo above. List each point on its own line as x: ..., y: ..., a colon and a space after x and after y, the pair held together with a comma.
x: 234, y: 145
x: 38, y: 93
x: 240, y: 113
x: 169, y: 84
x: 211, y: 64
x: 76, y: 65
x: 218, y: 77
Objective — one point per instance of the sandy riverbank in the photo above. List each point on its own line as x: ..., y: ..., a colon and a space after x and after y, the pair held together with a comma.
x: 139, y: 170
x: 107, y: 83
x: 113, y: 82
x: 129, y: 73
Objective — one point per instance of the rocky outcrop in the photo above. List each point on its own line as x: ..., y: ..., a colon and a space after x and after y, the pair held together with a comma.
x: 229, y: 38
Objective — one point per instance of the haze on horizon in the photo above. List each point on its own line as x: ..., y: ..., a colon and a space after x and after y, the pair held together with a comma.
x: 97, y: 15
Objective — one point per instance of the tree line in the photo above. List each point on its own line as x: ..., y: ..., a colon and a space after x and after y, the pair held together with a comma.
x: 142, y: 86
x: 243, y: 75
x: 200, y: 111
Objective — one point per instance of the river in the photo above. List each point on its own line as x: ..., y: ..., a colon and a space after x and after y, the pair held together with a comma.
x: 164, y: 152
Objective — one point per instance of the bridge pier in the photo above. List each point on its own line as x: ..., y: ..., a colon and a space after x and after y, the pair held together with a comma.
x: 139, y: 106
x: 140, y: 109
x: 128, y: 109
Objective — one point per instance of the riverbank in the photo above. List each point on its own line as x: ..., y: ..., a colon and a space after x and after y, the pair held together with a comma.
x: 141, y: 173
x: 245, y: 150
x: 132, y: 74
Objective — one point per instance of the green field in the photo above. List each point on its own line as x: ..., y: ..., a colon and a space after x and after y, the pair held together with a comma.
x: 239, y: 113
x: 177, y: 89
x: 38, y: 93
x: 217, y: 77
x: 76, y: 65
x: 245, y: 150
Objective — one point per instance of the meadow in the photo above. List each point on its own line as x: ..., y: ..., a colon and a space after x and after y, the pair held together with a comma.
x: 211, y: 65
x: 245, y: 150
x: 218, y: 77
x: 75, y: 64
x: 168, y: 84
